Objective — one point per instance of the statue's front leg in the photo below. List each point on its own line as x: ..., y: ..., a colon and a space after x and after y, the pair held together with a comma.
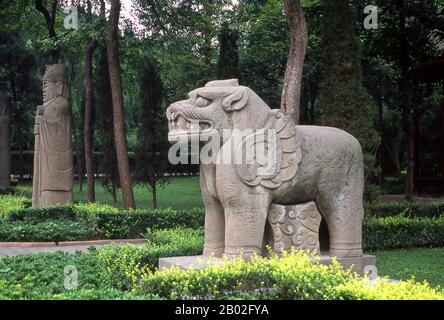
x: 214, y: 214
x: 214, y: 228
x: 245, y: 217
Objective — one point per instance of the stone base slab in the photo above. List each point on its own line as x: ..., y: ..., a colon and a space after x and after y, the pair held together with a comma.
x: 358, y: 264
x: 199, y: 262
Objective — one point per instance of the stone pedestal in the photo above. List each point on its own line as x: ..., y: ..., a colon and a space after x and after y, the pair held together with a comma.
x: 188, y: 262
x: 199, y: 262
x: 359, y: 263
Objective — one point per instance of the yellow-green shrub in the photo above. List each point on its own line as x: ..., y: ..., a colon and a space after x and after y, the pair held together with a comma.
x: 295, y: 275
x: 12, y: 202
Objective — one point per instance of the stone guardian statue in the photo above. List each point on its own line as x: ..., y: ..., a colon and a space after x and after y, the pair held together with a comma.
x: 53, y: 162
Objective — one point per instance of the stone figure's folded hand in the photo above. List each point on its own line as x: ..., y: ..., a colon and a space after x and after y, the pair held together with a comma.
x: 36, y: 129
x: 40, y: 110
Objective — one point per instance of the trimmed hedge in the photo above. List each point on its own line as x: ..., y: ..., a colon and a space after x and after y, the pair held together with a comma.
x: 96, y: 221
x: 90, y: 222
x: 106, y: 273
x: 129, y: 272
x: 125, y: 264
x: 10, y: 203
x: 402, y: 232
x: 430, y: 209
x: 294, y: 276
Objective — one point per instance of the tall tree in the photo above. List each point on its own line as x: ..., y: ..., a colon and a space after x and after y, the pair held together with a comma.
x: 404, y: 40
x: 89, y: 110
x: 50, y: 18
x: 109, y: 167
x: 228, y: 64
x: 152, y: 150
x: 291, y: 93
x: 112, y: 46
x: 344, y: 101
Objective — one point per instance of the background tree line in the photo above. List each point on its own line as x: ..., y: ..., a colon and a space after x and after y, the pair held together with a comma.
x: 368, y: 82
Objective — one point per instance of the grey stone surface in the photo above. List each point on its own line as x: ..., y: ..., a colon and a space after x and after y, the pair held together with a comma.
x: 310, y: 163
x: 188, y: 262
x: 15, y: 250
x: 5, y: 149
x: 53, y: 162
x: 293, y: 226
x: 358, y: 264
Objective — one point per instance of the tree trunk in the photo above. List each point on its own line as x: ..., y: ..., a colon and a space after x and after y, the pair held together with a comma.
x: 291, y: 93
x: 88, y: 127
x: 21, y: 164
x: 405, y: 96
x: 442, y: 141
x: 381, y: 147
x: 154, y: 189
x: 416, y: 149
x: 50, y: 25
x: 5, y: 146
x: 112, y: 44
x: 108, y: 146
x: 408, y: 129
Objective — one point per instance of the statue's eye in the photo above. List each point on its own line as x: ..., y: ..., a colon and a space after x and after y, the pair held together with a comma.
x: 202, y: 102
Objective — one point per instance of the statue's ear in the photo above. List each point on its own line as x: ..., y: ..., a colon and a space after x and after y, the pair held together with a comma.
x: 59, y: 88
x: 235, y: 101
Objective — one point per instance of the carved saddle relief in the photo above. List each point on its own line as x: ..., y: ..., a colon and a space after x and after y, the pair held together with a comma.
x: 294, y: 226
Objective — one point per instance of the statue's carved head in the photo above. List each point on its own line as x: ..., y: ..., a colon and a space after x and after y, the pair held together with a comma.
x: 221, y: 104
x: 55, y: 82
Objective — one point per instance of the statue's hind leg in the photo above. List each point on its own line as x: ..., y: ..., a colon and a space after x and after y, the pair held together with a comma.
x: 344, y: 222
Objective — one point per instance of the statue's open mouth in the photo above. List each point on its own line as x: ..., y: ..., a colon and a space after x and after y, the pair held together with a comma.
x: 180, y: 125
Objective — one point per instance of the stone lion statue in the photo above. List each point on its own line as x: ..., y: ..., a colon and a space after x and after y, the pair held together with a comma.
x: 311, y: 164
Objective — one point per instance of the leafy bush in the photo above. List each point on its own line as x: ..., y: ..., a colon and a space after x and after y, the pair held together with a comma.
x: 402, y: 232
x: 102, y: 273
x: 129, y: 272
x: 95, y: 221
x: 58, y: 230
x: 9, y: 203
x: 293, y: 276
x: 35, y: 215
x: 125, y: 264
x: 40, y: 276
x: 384, y: 209
x: 23, y: 191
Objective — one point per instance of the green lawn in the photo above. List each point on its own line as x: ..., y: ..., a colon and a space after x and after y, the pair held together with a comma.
x: 179, y: 193
x: 423, y: 264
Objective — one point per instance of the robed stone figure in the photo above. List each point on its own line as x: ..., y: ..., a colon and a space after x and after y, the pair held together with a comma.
x: 53, y: 163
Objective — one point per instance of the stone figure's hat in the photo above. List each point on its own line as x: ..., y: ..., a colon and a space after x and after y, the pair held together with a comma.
x: 56, y: 73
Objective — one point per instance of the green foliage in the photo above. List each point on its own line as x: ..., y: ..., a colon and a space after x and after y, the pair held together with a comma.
x: 344, y: 101
x: 90, y: 221
x: 415, y: 209
x: 129, y: 272
x: 263, y: 49
x: 186, y: 193
x: 228, y: 64
x: 83, y: 221
x: 293, y: 276
x: 152, y: 147
x: 40, y: 276
x: 11, y: 202
x: 423, y: 264
x: 49, y: 230
x: 126, y: 264
x: 402, y: 232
